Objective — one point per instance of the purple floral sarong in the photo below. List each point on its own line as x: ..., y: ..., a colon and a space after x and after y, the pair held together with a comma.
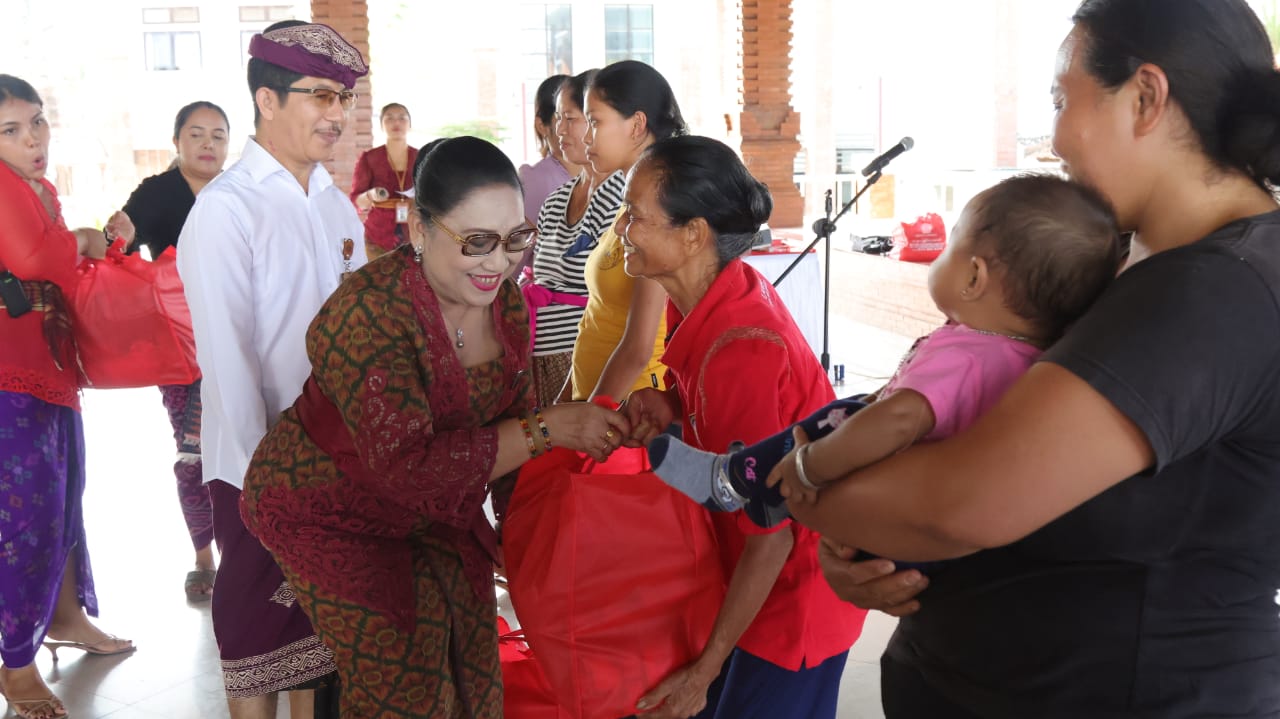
x: 41, y: 519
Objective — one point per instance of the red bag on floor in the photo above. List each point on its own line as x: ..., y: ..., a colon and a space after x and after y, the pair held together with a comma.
x: 526, y: 693
x: 615, y: 576
x: 131, y: 322
x: 922, y: 240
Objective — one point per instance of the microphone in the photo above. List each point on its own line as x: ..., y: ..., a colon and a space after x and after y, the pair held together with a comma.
x: 880, y: 162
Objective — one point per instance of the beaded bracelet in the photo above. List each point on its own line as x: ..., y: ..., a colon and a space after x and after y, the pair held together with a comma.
x: 528, y: 436
x: 542, y: 424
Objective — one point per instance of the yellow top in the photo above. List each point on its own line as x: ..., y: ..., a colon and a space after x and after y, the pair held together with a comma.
x: 605, y: 319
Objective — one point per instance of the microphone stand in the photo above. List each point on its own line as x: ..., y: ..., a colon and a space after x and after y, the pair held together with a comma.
x: 823, y: 229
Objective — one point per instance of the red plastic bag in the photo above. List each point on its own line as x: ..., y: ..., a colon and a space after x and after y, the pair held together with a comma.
x: 525, y: 691
x: 920, y: 241
x: 131, y: 322
x: 615, y: 576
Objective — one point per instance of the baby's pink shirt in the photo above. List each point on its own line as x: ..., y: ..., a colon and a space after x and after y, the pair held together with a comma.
x: 962, y: 373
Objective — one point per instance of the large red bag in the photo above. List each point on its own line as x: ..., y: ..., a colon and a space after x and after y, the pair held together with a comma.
x: 615, y: 576
x: 131, y: 322
x: 525, y: 691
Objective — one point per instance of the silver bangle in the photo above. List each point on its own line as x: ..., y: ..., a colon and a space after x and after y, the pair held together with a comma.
x: 801, y: 474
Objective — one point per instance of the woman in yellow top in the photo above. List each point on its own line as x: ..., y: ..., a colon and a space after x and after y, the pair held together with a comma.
x: 629, y: 106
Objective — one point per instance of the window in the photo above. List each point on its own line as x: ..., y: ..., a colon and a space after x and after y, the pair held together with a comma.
x: 628, y: 33
x: 847, y: 160
x: 166, y: 15
x: 172, y: 50
x: 254, y: 19
x: 547, y: 37
x: 265, y: 13
x: 853, y: 151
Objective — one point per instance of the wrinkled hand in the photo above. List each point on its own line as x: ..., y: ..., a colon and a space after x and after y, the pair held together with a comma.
x: 120, y: 226
x: 586, y: 427
x: 785, y: 472
x: 650, y: 412
x: 679, y: 696
x: 870, y: 584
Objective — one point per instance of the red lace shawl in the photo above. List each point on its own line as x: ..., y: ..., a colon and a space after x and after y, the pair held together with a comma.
x: 37, y: 248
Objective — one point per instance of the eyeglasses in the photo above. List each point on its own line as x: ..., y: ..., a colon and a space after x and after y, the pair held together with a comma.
x: 326, y: 97
x: 484, y: 243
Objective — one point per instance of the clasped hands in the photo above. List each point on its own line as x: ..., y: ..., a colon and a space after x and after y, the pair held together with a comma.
x: 649, y: 412
x: 596, y: 431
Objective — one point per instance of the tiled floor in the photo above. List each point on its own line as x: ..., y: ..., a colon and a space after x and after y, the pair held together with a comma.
x: 140, y: 555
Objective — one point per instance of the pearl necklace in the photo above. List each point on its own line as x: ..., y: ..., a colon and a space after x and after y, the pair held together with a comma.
x: 458, y: 343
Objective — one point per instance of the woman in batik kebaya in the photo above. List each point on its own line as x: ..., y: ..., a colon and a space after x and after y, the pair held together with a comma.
x: 370, y: 489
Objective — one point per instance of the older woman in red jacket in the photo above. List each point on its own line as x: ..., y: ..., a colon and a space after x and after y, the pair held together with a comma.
x: 740, y: 370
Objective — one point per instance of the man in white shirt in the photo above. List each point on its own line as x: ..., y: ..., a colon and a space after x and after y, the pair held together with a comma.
x: 265, y: 245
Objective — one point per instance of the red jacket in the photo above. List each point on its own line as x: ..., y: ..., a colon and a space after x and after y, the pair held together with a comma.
x: 35, y: 247
x: 744, y: 372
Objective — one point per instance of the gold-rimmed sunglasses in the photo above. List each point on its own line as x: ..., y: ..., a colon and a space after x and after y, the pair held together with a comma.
x: 483, y: 243
x: 326, y: 96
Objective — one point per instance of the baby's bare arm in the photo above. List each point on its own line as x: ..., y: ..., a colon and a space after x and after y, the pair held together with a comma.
x: 881, y: 429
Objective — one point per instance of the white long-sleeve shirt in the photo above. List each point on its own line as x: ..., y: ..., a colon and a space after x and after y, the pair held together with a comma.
x: 258, y: 257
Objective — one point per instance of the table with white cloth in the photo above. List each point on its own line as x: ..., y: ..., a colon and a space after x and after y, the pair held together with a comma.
x: 801, y: 291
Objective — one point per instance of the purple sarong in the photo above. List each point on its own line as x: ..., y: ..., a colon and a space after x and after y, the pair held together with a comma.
x: 41, y: 519
x: 264, y: 638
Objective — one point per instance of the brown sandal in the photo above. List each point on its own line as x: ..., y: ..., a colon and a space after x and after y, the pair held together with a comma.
x: 199, y: 585
x: 49, y: 707
x: 110, y: 646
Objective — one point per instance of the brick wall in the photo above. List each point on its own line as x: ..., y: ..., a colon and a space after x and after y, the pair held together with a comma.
x: 351, y: 19
x: 768, y: 124
x: 883, y: 293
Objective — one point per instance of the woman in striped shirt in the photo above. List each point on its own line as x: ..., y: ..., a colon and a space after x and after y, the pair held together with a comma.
x: 571, y: 221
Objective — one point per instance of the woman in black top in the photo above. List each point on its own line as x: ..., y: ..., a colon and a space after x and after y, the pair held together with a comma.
x: 159, y: 207
x: 1126, y: 491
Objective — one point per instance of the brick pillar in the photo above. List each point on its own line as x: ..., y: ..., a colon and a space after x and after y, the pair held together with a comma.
x: 351, y: 19
x: 770, y: 127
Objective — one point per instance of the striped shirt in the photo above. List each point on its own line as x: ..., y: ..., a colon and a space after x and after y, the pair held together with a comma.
x: 559, y: 271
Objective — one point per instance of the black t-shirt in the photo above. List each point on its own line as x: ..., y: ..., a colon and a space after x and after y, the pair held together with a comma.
x: 1158, y: 597
x: 158, y: 208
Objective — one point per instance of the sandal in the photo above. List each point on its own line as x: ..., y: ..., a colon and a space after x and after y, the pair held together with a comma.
x: 49, y: 707
x: 199, y: 585
x: 104, y: 647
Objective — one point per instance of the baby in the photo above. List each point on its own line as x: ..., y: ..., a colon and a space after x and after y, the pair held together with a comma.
x: 1026, y: 258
